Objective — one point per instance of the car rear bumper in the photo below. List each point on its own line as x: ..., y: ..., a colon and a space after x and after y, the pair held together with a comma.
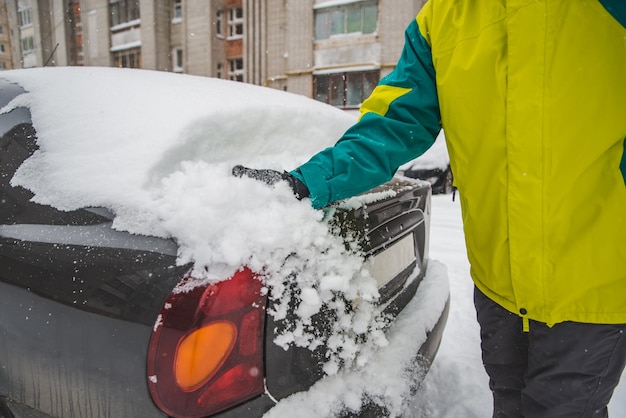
x: 414, y: 320
x: 12, y: 408
x: 423, y: 358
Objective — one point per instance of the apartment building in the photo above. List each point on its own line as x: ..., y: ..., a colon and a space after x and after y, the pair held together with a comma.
x: 28, y: 36
x: 332, y: 50
x: 37, y: 33
x: 185, y: 36
x: 6, y: 53
x: 355, y: 43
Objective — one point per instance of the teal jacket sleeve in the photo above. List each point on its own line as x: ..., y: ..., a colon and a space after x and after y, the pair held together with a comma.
x: 398, y: 122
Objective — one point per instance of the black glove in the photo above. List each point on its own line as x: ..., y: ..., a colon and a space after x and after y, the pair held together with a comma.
x: 272, y: 177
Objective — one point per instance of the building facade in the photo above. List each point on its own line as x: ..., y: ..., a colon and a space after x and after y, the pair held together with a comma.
x: 6, y: 50
x: 37, y: 33
x: 355, y: 44
x: 332, y: 50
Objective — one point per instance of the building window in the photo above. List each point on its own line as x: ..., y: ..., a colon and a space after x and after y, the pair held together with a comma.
x: 220, y: 70
x: 178, y: 11
x: 177, y: 57
x: 235, y: 69
x: 2, y: 51
x: 130, y: 58
x: 28, y: 45
x: 345, y: 90
x: 25, y: 16
x: 124, y: 11
x: 219, y: 16
x: 235, y: 22
x: 356, y: 18
x: 3, y: 65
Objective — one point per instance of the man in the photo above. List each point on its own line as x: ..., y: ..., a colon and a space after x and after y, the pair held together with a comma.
x: 532, y: 97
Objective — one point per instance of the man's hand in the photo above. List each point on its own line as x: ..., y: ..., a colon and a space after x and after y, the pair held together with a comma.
x: 272, y: 177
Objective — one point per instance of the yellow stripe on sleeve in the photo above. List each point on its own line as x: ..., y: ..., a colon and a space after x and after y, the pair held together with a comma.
x: 381, y: 98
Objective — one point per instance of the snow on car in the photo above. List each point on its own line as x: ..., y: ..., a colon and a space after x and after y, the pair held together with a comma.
x: 139, y: 278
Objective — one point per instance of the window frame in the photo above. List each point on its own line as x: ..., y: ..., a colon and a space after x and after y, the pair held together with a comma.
x: 178, y: 64
x: 219, y: 23
x: 340, y: 88
x: 235, y: 23
x: 236, y: 69
x: 28, y: 45
x: 341, y: 20
x: 25, y: 17
x: 123, y: 12
x: 177, y: 11
x: 130, y: 56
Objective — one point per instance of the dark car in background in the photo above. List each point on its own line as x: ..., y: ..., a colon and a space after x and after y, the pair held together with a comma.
x: 95, y: 321
x: 433, y: 167
x: 440, y: 179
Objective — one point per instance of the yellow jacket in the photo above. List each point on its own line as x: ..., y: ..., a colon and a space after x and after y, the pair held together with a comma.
x: 532, y: 97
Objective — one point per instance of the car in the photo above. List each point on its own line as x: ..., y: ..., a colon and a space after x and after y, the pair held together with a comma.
x: 139, y: 278
x: 433, y: 167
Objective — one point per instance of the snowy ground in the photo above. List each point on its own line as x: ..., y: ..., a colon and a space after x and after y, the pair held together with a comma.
x: 456, y: 386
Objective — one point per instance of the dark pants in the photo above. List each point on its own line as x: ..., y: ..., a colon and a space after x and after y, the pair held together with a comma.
x: 568, y: 370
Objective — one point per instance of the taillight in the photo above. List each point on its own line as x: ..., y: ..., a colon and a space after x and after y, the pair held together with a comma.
x: 206, y: 349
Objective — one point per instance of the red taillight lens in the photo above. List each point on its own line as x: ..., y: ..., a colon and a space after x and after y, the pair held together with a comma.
x: 206, y: 350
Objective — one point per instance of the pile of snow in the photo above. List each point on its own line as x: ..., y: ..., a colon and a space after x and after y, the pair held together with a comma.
x: 157, y: 150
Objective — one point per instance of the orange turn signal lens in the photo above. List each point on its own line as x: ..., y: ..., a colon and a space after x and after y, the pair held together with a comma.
x: 200, y: 354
